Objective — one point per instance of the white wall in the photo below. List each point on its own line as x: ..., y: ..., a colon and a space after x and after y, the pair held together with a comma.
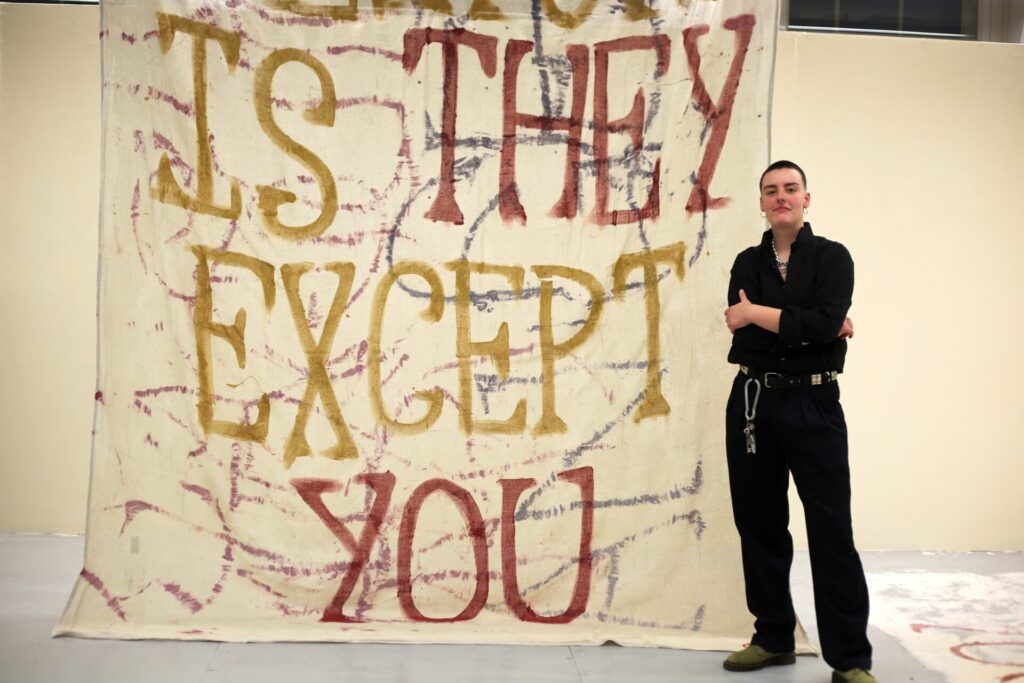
x: 913, y: 150
x: 49, y: 199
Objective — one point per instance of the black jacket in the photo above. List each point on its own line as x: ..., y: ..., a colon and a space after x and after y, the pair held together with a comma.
x: 814, y: 299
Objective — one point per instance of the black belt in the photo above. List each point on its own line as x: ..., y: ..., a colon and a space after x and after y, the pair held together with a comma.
x: 785, y: 380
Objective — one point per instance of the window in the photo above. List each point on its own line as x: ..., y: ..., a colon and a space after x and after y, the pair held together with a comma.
x: 935, y: 18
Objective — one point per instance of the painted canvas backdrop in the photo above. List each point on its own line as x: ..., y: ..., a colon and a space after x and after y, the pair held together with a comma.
x: 410, y: 320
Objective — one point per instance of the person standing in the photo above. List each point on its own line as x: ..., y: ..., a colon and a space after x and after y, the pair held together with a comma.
x: 788, y: 300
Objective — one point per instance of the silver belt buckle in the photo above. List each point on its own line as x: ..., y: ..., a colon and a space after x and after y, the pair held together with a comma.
x: 816, y: 379
x: 767, y: 379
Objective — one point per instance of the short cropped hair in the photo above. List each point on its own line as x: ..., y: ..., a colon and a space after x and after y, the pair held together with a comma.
x: 782, y: 163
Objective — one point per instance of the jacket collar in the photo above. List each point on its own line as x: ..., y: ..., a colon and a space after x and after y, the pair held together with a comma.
x: 804, y: 236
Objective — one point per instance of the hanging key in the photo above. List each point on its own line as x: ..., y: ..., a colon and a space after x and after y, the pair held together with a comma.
x: 749, y: 412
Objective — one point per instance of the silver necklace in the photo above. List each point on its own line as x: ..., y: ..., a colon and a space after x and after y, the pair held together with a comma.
x: 783, y: 266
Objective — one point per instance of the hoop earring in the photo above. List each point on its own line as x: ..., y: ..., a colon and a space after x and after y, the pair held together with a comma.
x: 806, y: 211
x: 764, y: 215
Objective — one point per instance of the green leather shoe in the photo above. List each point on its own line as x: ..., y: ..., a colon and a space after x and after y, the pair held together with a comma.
x: 754, y: 657
x: 853, y: 676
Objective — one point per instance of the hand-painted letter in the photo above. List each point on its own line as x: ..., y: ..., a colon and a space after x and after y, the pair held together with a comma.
x: 445, y: 206
x: 549, y: 422
x: 654, y: 402
x: 167, y: 189
x: 318, y: 381
x: 312, y: 491
x: 477, y: 535
x: 716, y: 115
x: 434, y: 397
x: 565, y: 207
x: 496, y: 348
x: 632, y: 124
x: 233, y: 334
x: 511, y: 489
x: 323, y: 115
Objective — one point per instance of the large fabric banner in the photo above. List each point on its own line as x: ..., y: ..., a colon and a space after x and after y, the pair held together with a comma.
x: 411, y: 319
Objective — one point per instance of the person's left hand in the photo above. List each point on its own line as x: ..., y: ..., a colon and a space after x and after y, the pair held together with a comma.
x: 739, y: 315
x: 846, y: 331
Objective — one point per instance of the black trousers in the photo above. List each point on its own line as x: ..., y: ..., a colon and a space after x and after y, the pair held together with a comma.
x: 803, y: 431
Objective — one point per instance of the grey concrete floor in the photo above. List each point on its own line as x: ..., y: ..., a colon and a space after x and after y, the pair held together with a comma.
x: 37, y: 572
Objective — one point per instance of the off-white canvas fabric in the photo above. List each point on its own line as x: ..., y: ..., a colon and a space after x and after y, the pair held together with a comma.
x: 388, y: 359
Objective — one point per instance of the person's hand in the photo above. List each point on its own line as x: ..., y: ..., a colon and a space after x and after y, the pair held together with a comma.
x: 739, y: 315
x: 846, y: 331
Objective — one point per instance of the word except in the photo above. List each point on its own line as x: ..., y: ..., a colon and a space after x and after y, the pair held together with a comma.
x: 445, y: 206
x: 383, y: 483
x: 317, y: 352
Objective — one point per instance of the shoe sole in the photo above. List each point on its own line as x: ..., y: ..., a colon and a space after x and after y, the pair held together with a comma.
x: 838, y: 677
x: 777, y: 660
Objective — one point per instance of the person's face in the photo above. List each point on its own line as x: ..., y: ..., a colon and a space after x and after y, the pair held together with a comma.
x: 784, y: 198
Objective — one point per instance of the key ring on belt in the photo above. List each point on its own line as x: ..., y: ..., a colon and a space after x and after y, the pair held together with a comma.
x: 750, y: 411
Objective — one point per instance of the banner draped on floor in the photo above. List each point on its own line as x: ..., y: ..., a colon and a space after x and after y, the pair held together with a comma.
x: 411, y: 319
